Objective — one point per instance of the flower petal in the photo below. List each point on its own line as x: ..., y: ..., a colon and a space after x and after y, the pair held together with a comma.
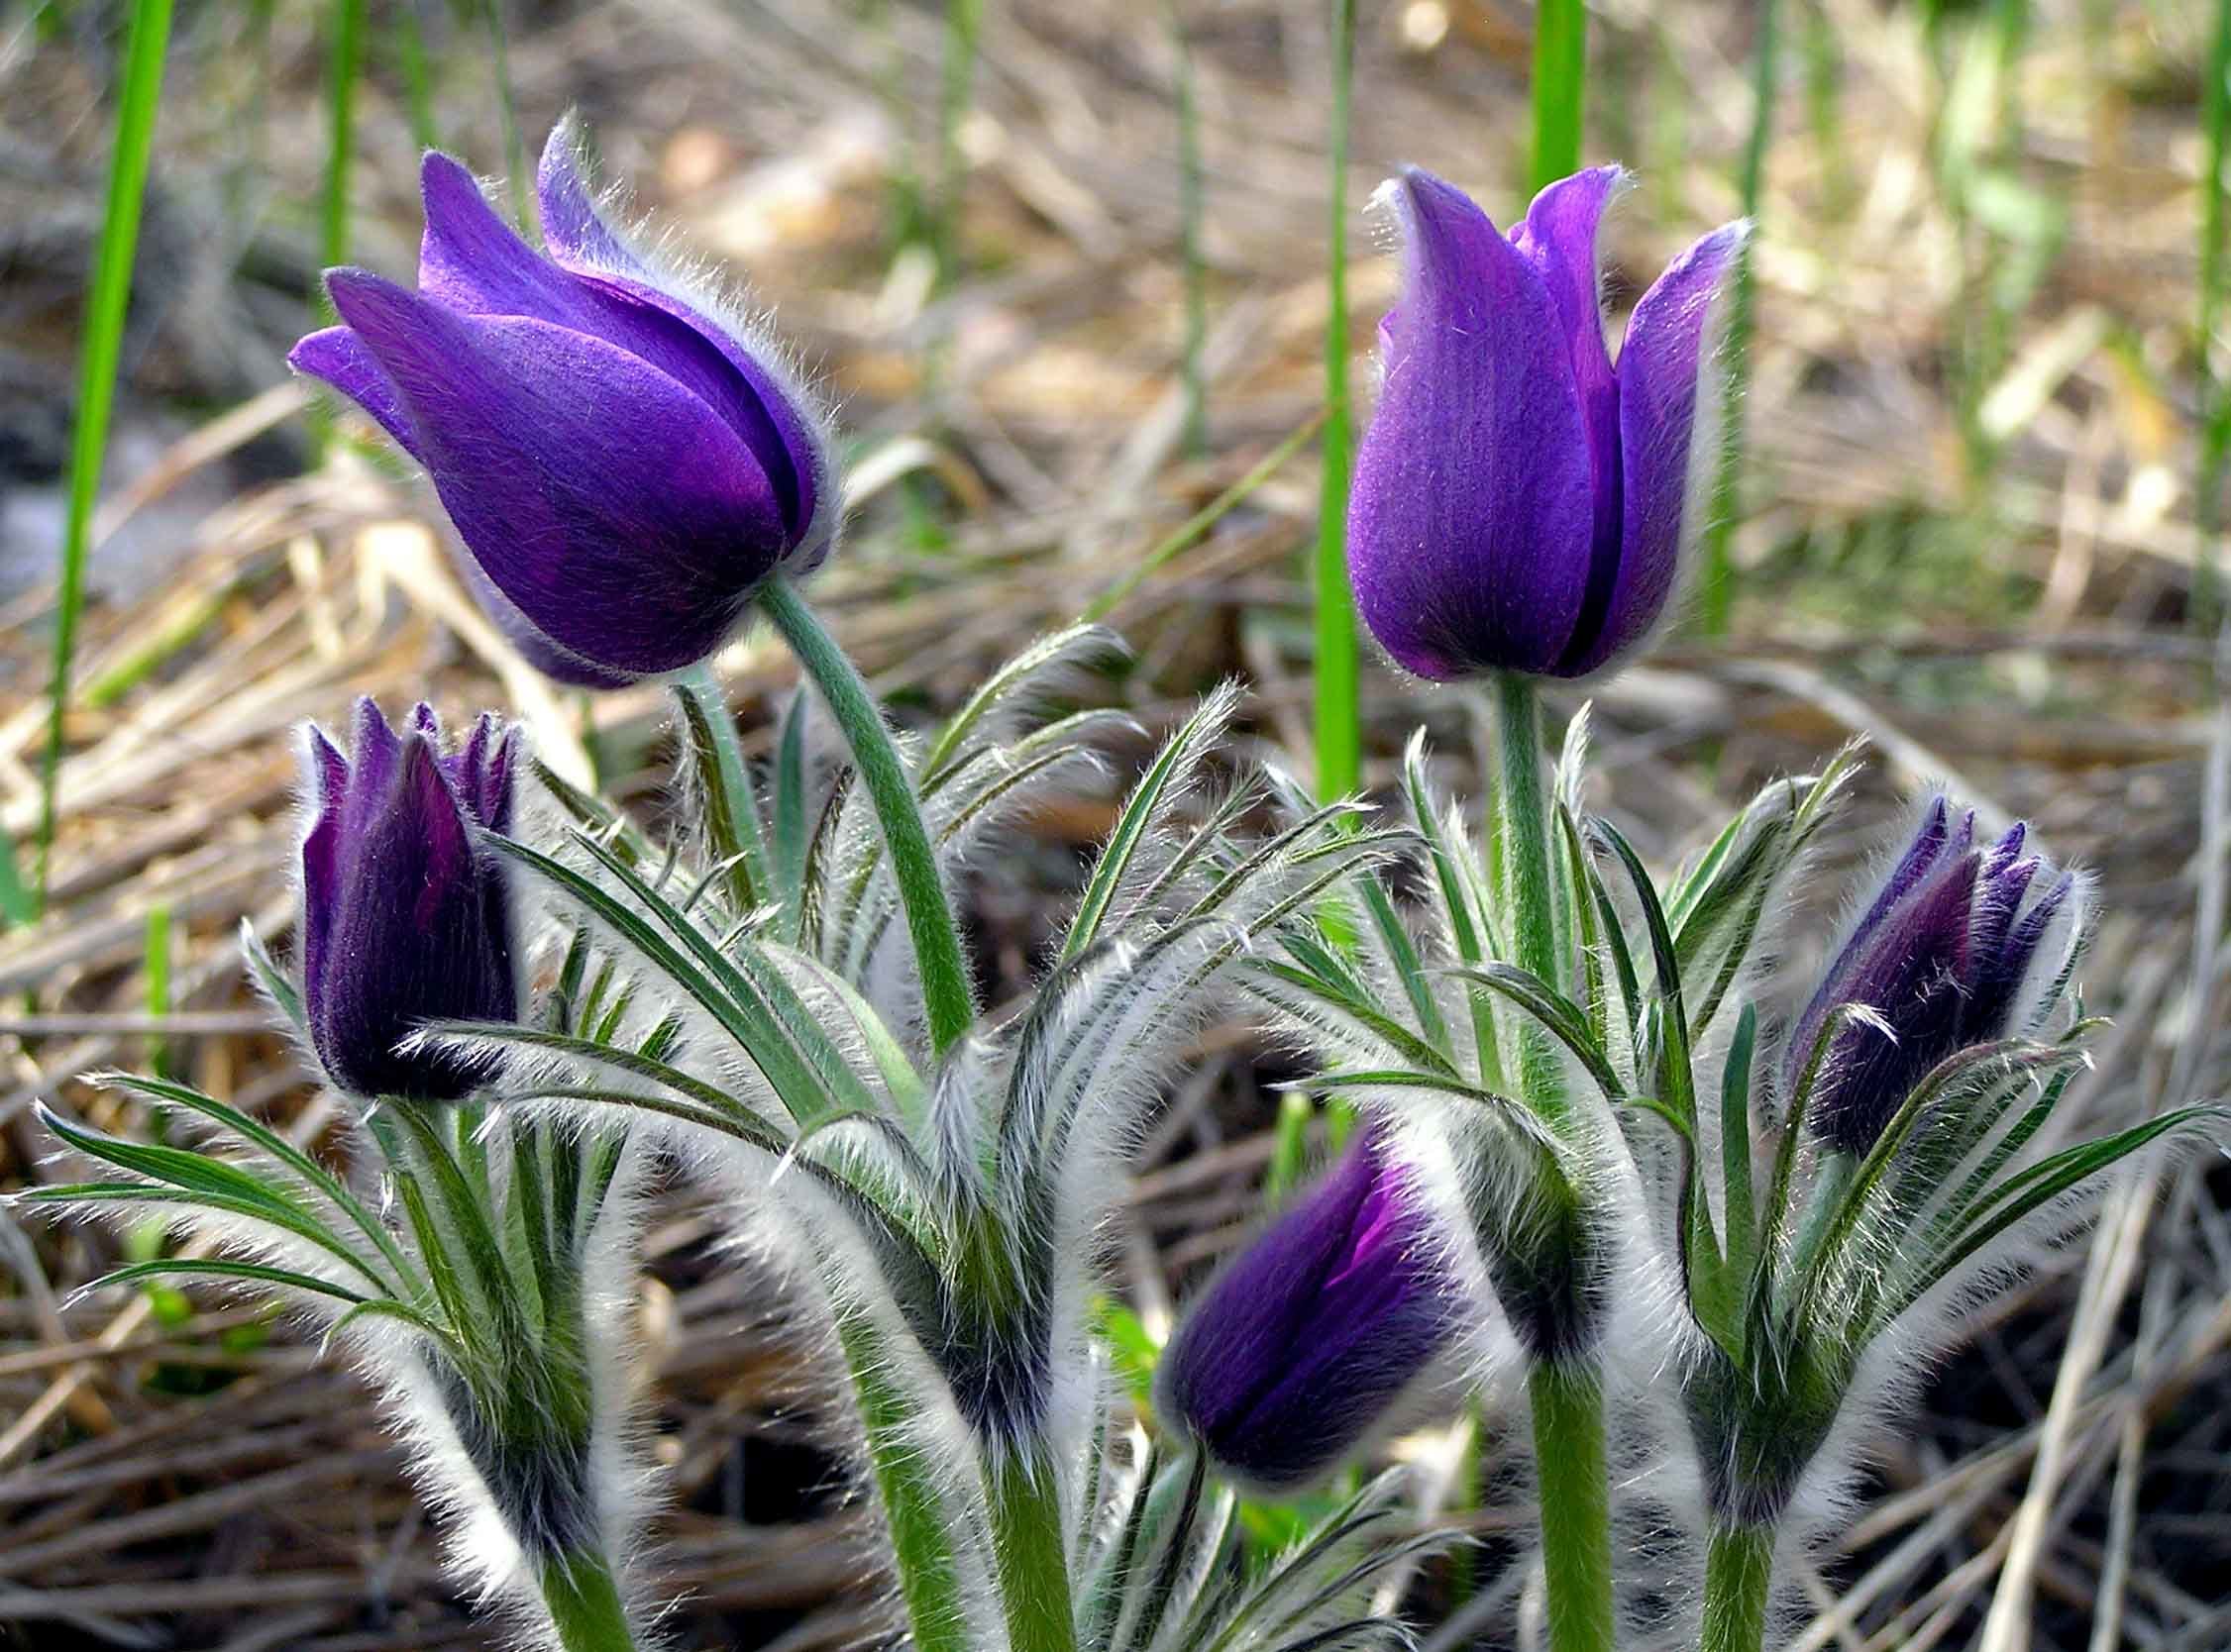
x: 575, y: 230
x: 1307, y: 1336
x: 472, y: 261
x: 1915, y: 976
x: 620, y: 516
x: 338, y: 356
x: 321, y: 846
x: 1663, y: 464
x: 1473, y: 516
x: 1560, y: 236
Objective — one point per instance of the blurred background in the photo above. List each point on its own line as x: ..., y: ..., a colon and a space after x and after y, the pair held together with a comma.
x: 1066, y: 267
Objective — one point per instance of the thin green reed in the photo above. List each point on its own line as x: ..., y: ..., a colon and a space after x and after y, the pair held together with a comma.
x: 1339, y: 737
x: 99, y: 352
x: 964, y: 24
x: 344, y: 67
x: 2214, y: 405
x: 1191, y: 199
x: 1716, y: 588
x: 418, y: 76
x: 514, y: 143
x: 1560, y: 66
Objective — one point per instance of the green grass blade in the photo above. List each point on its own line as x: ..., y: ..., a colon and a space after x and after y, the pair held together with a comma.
x: 514, y: 145
x: 2214, y: 405
x: 344, y: 68
x: 1715, y: 591
x: 1560, y: 59
x: 1190, y: 203
x: 1339, y: 734
x: 99, y: 352
x: 964, y: 22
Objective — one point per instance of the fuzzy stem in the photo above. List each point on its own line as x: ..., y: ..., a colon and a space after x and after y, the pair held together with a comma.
x: 1574, y: 1470
x: 1739, y: 1571
x: 1029, y: 1561
x: 1523, y: 836
x: 584, y: 1604
x: 948, y: 1000
x: 921, y: 1548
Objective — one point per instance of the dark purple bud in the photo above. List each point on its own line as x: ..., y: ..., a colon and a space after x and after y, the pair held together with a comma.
x: 1521, y: 503
x: 1307, y: 1338
x: 405, y: 918
x: 1962, y: 945
x: 623, y: 468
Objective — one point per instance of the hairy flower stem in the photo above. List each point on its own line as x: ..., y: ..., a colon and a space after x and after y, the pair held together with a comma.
x: 1030, y: 1560
x: 921, y: 1548
x: 948, y: 999
x: 1739, y: 1572
x: 1523, y: 840
x: 1574, y: 1472
x: 584, y: 1604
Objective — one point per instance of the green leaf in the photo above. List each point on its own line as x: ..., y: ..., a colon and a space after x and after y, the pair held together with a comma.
x: 1171, y: 772
x: 174, y: 1267
x: 732, y: 823
x: 273, y: 978
x: 1554, y: 1011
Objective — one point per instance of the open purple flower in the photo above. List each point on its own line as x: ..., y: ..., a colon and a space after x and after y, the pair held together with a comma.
x: 1962, y: 944
x: 1520, y: 503
x: 623, y: 468
x: 1307, y: 1338
x: 405, y: 919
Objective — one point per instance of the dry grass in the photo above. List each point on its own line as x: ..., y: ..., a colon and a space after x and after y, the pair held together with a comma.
x: 197, y: 1481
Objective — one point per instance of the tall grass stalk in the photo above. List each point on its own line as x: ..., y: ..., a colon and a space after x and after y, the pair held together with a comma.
x: 1191, y: 198
x: 344, y: 67
x: 1339, y: 737
x: 2214, y: 405
x: 99, y: 352
x: 514, y: 142
x: 964, y: 23
x: 1716, y: 587
x: 419, y: 75
x: 1560, y: 66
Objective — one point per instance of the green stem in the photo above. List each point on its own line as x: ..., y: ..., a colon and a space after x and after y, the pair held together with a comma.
x: 948, y: 1000
x: 1560, y: 47
x: 1339, y: 734
x: 585, y: 1605
x: 921, y: 1548
x: 1716, y: 588
x: 2214, y: 407
x: 1190, y: 193
x: 99, y: 352
x: 964, y: 22
x: 1574, y: 1474
x: 1523, y: 839
x: 1030, y: 1562
x: 1739, y: 1569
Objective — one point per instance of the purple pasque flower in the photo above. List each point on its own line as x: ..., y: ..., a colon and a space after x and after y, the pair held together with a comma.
x: 405, y: 918
x: 1520, y: 503
x: 1962, y: 944
x: 1305, y: 1340
x: 624, y: 468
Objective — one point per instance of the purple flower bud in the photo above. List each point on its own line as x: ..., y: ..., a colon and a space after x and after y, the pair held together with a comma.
x: 1309, y: 1334
x: 1962, y: 944
x: 405, y: 919
x: 1520, y: 503
x: 624, y: 468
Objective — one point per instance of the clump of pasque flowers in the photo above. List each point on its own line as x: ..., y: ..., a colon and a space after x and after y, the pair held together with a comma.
x: 780, y: 993
x: 1560, y: 1062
